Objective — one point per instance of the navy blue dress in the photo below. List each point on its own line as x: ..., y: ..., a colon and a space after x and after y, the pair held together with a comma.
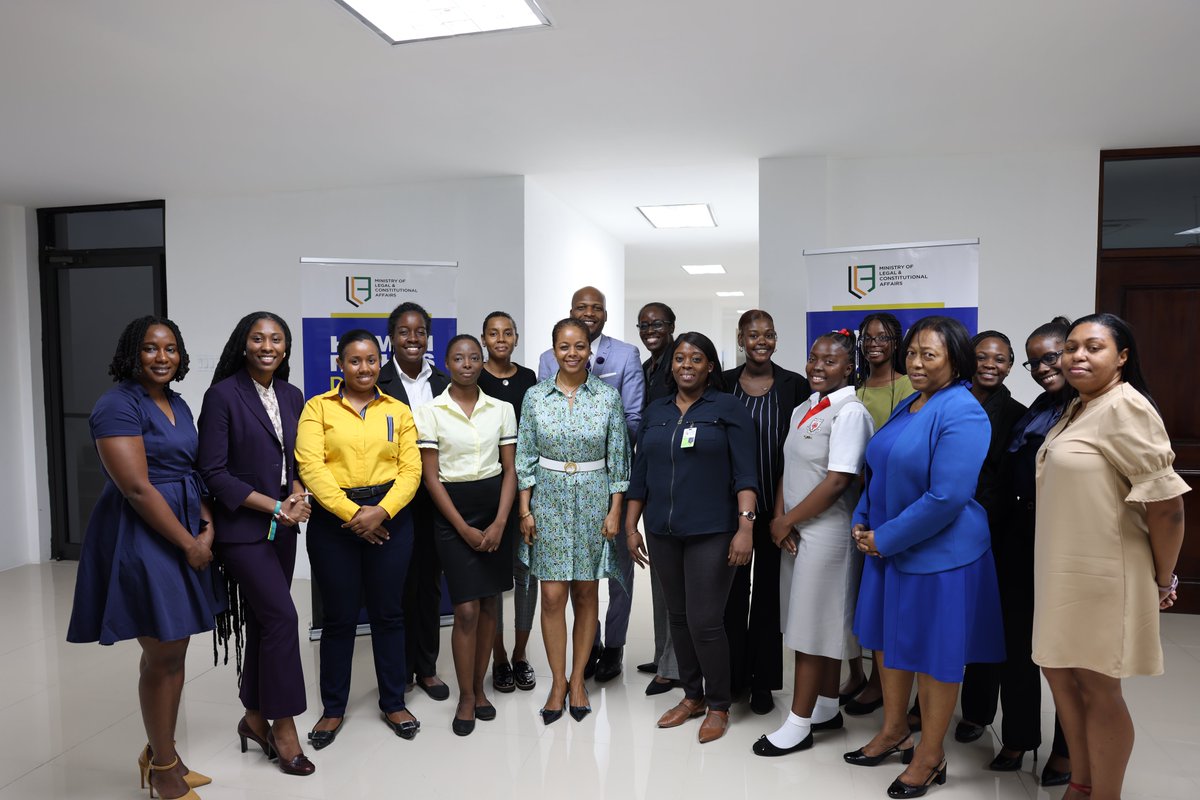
x: 133, y: 582
x: 934, y: 623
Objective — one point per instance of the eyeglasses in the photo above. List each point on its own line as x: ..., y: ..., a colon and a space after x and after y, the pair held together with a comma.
x: 657, y: 325
x: 878, y: 339
x: 1050, y: 359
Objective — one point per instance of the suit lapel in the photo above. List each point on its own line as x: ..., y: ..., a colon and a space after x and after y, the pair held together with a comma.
x: 389, y: 382
x: 250, y: 398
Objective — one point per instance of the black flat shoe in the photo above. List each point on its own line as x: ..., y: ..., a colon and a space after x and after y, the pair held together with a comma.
x: 439, y: 691
x: 856, y: 708
x: 244, y: 732
x: 860, y: 759
x: 901, y: 789
x: 462, y: 727
x: 406, y: 729
x: 846, y: 697
x: 763, y: 747
x: 1052, y: 777
x: 761, y: 702
x: 661, y: 687
x: 485, y: 713
x: 524, y: 675
x: 550, y: 715
x: 1003, y: 763
x: 966, y: 731
x: 650, y: 667
x: 838, y: 721
x: 503, y: 678
x: 322, y: 739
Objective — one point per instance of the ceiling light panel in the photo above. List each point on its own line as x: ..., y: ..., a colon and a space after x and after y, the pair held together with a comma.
x: 689, y: 215
x: 731, y: 294
x: 401, y: 21
x: 704, y: 269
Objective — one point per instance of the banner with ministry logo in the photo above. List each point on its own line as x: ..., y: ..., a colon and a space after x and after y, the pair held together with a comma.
x: 910, y: 280
x: 340, y: 294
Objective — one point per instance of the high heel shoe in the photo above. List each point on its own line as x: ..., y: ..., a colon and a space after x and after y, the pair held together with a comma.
x: 1052, y: 777
x: 192, y: 778
x: 860, y: 759
x: 579, y: 712
x: 152, y: 767
x: 244, y: 732
x: 901, y: 789
x: 550, y: 715
x: 1003, y: 763
x: 297, y: 765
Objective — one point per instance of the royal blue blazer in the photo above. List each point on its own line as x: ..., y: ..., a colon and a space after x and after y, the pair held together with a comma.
x: 933, y: 522
x: 239, y: 453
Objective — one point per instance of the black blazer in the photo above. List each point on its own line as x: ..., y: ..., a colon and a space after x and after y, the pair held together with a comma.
x: 793, y: 390
x: 994, y: 489
x: 240, y: 454
x: 656, y: 379
x: 390, y: 383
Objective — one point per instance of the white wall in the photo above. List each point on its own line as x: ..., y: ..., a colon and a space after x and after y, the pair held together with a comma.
x: 563, y: 252
x: 227, y: 256
x: 1034, y: 213
x: 24, y: 537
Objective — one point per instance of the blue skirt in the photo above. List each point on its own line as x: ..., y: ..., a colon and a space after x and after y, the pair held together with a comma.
x: 934, y: 623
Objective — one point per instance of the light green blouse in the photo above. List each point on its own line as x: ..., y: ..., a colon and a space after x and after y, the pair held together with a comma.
x: 881, y: 400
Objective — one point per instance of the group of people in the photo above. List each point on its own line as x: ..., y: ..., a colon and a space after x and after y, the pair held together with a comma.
x: 894, y: 498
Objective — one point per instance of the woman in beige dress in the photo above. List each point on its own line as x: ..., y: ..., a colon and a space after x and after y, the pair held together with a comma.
x: 1109, y: 529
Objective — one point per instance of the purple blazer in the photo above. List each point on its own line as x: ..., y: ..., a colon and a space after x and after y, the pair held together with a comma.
x: 240, y: 454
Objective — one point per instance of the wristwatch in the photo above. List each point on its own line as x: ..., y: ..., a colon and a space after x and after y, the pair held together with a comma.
x: 750, y: 515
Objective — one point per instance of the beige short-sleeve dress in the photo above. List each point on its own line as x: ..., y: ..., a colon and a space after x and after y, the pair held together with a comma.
x: 1095, y: 598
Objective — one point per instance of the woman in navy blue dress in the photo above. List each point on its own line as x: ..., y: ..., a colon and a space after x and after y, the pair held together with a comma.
x: 143, y: 570
x: 935, y: 607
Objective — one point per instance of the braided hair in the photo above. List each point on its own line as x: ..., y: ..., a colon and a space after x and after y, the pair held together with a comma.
x: 126, y: 362
x: 233, y: 357
x: 862, y: 368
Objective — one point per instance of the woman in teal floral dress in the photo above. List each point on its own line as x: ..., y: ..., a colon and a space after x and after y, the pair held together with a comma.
x: 572, y: 473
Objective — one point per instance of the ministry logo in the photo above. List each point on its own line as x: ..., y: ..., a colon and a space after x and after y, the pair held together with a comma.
x: 860, y: 280
x: 358, y: 289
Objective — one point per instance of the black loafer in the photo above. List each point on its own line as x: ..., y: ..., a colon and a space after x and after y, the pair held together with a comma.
x: 857, y: 708
x: 966, y: 731
x: 650, y: 668
x: 322, y: 739
x: 524, y: 675
x: 503, y: 678
x: 462, y: 727
x: 661, y: 687
x: 846, y: 697
x: 763, y: 747
x: 838, y: 721
x: 406, y: 729
x: 486, y: 713
x: 439, y: 691
x: 609, y: 665
x: 1003, y: 763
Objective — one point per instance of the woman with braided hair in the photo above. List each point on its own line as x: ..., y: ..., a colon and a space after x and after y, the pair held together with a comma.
x: 247, y: 459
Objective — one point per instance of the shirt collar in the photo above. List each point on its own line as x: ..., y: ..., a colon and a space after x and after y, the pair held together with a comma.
x: 263, y: 390
x: 446, y: 401
x: 834, y: 397
x: 589, y: 384
x: 424, y: 375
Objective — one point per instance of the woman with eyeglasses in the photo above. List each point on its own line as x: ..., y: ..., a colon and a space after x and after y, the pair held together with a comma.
x: 1110, y: 524
x: 881, y: 386
x: 770, y: 393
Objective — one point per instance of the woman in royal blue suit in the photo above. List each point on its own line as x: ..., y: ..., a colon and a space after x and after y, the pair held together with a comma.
x: 935, y: 607
x: 247, y: 459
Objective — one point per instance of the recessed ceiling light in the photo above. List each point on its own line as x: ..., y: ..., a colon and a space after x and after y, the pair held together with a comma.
x: 400, y: 21
x: 731, y: 294
x: 1189, y: 232
x: 688, y: 215
x: 704, y: 269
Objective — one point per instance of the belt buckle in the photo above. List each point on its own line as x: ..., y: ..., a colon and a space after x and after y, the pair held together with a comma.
x: 570, y: 467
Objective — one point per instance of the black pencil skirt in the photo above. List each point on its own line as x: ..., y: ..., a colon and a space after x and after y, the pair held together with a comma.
x: 470, y: 574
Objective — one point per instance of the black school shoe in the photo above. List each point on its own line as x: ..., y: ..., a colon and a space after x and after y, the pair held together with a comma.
x: 524, y: 675
x: 503, y: 678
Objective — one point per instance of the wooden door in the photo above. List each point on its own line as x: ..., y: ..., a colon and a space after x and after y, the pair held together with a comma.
x: 1159, y: 295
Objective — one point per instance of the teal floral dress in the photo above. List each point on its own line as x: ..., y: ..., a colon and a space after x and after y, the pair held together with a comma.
x: 569, y: 510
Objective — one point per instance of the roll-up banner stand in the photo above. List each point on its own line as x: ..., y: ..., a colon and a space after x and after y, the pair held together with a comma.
x: 910, y: 280
x: 341, y: 294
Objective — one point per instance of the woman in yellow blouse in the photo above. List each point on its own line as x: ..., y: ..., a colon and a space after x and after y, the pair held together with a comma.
x: 356, y: 449
x: 467, y: 441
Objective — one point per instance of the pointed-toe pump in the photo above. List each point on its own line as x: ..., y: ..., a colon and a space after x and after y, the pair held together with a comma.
x: 551, y: 715
x: 192, y: 778
x: 579, y: 712
x: 152, y: 767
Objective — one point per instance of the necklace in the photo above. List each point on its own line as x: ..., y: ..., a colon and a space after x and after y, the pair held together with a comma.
x: 569, y: 395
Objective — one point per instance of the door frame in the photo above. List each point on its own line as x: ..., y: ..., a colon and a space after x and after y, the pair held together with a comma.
x: 51, y: 261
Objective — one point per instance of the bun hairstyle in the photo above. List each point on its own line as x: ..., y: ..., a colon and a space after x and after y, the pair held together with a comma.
x: 1122, y: 333
x: 843, y: 337
x: 462, y: 337
x: 1058, y: 327
x: 752, y: 315
x: 357, y: 335
x: 568, y: 322
x: 979, y: 337
x: 495, y: 314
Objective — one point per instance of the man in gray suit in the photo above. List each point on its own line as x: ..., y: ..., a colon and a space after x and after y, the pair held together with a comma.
x: 620, y: 366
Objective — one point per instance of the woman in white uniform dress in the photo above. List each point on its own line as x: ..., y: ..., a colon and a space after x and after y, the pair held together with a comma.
x: 820, y: 568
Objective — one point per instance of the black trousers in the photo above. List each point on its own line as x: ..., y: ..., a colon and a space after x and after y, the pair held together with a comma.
x: 1017, y: 682
x: 752, y: 618
x: 696, y: 576
x: 423, y: 592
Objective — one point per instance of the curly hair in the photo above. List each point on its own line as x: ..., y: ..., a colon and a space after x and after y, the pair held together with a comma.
x: 233, y: 357
x: 126, y: 362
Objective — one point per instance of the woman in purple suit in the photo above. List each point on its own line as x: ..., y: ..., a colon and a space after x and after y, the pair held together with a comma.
x: 247, y: 445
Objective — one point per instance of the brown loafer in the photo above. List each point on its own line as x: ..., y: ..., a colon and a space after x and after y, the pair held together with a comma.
x: 687, y: 709
x: 714, y: 726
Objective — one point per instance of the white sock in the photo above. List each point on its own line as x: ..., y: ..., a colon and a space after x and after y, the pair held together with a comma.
x: 825, y: 709
x: 794, y: 731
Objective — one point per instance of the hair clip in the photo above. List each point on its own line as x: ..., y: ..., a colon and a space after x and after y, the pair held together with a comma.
x: 843, y: 332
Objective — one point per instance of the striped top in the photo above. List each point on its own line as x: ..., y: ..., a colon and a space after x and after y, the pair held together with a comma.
x: 764, y: 410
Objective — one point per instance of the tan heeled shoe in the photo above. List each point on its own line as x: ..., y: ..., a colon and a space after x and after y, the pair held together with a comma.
x: 152, y: 767
x: 193, y: 779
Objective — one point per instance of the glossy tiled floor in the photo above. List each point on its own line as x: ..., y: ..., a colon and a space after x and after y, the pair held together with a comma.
x: 71, y: 729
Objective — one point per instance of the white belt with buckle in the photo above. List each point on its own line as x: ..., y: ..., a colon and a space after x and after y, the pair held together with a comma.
x: 571, y: 467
